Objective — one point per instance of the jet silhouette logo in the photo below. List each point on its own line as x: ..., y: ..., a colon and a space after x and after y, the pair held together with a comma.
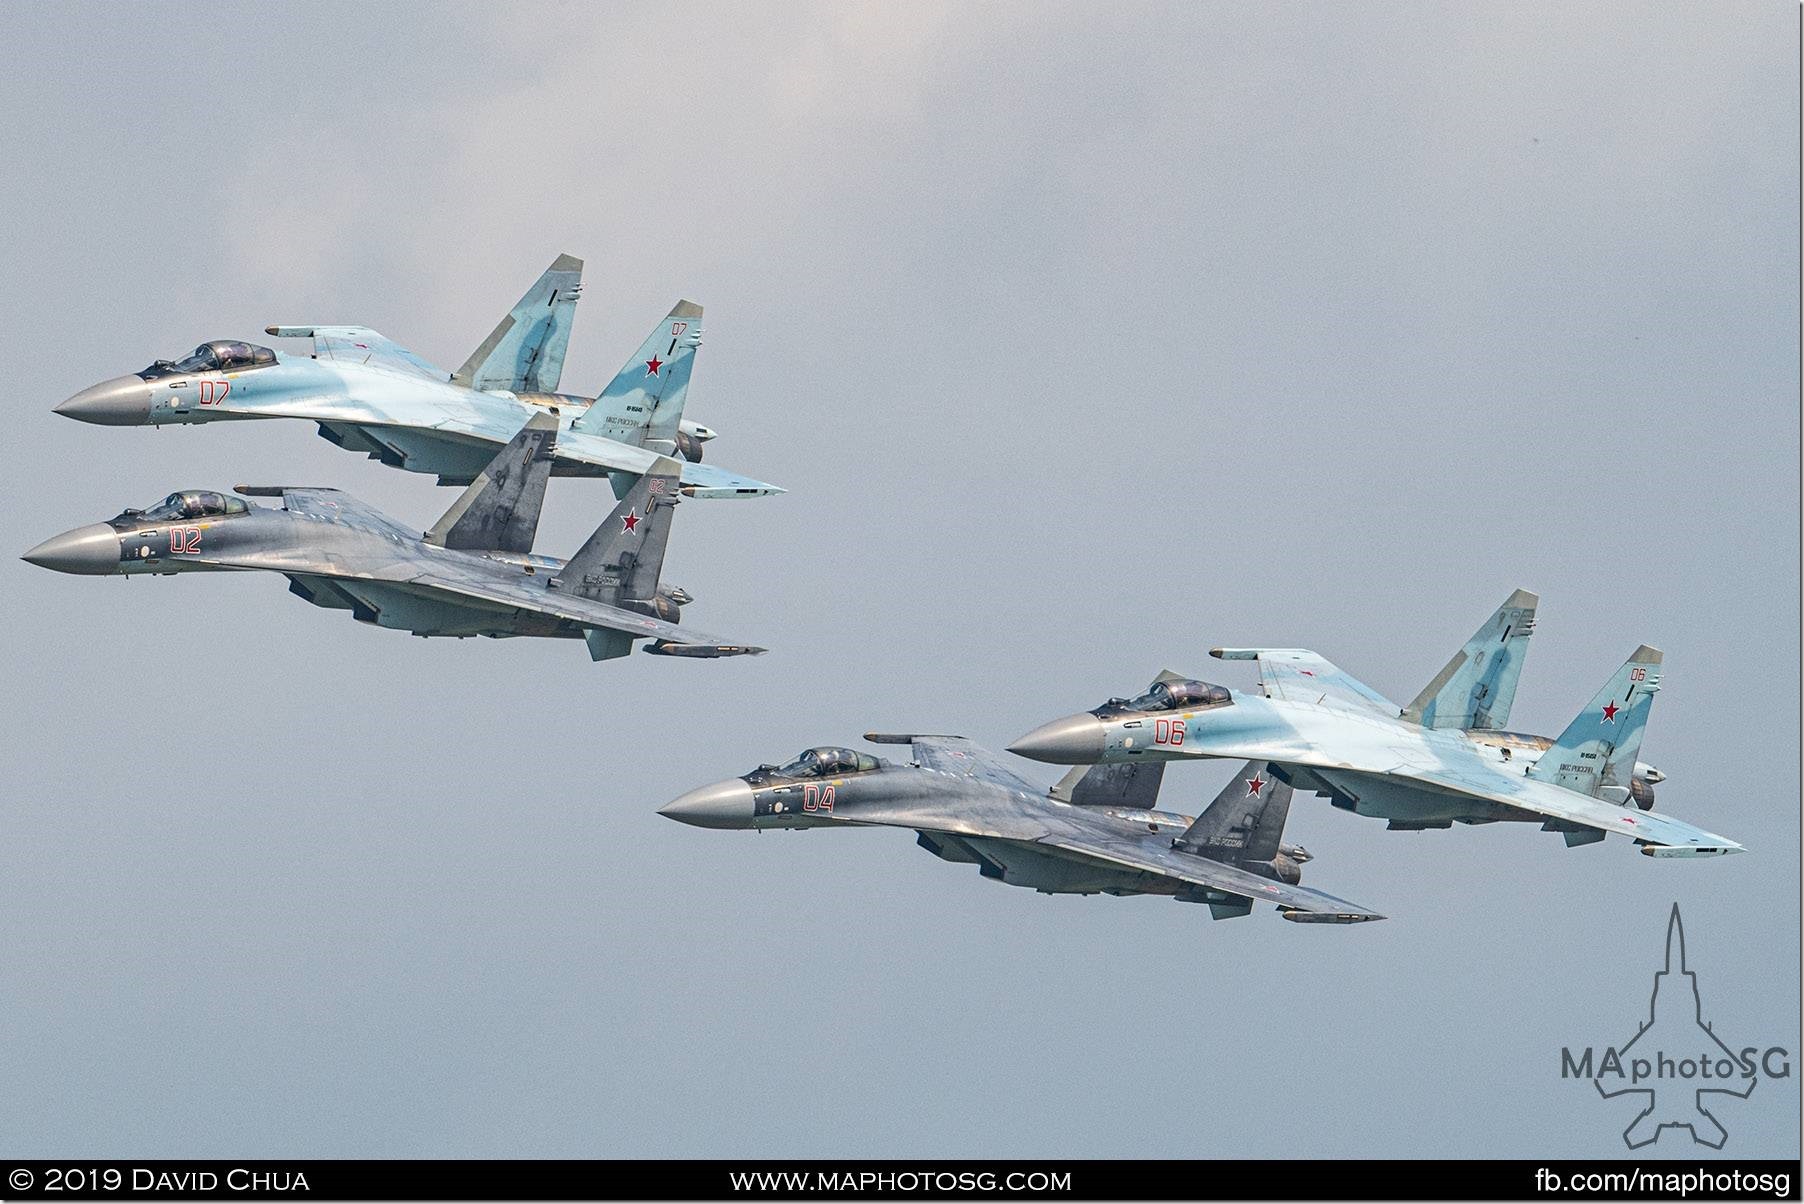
x: 1675, y: 1063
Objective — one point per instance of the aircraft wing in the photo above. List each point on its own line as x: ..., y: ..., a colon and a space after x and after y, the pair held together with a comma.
x: 957, y: 755
x: 360, y: 345
x: 333, y: 505
x: 1660, y: 835
x: 575, y: 608
x: 1299, y: 675
x: 1296, y: 902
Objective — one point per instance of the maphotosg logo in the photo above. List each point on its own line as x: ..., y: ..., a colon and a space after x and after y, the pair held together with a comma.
x: 1676, y: 1063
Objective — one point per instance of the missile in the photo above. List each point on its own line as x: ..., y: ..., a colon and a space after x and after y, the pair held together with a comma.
x: 1325, y: 917
x: 666, y: 648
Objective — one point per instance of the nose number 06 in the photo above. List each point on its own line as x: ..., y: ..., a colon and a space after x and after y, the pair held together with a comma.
x: 1168, y: 731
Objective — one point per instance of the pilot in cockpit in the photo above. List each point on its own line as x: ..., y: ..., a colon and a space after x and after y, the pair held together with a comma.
x: 217, y: 356
x: 819, y: 763
x: 1172, y: 696
x: 191, y: 504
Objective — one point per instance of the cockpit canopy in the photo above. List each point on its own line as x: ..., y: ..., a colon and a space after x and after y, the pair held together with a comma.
x: 819, y: 763
x: 218, y: 356
x: 189, y: 504
x: 1173, y: 696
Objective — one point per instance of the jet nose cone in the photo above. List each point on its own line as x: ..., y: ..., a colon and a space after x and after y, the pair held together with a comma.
x: 122, y: 401
x: 91, y: 549
x: 725, y: 804
x: 1073, y: 740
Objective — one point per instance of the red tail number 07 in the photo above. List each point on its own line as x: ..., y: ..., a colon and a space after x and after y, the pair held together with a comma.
x: 1168, y: 731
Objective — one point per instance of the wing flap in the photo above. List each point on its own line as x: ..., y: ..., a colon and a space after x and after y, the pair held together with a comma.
x: 1299, y: 675
x: 1215, y: 876
x: 959, y: 756
x: 1651, y: 829
x: 360, y: 345
x: 585, y: 612
x: 331, y: 505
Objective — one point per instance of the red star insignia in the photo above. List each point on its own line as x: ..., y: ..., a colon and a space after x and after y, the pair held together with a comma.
x: 1254, y: 785
x: 630, y: 521
x: 1627, y: 819
x: 652, y: 365
x: 1307, y: 672
x: 1610, y: 712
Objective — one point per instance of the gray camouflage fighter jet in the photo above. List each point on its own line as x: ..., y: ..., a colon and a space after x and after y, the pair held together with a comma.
x: 369, y: 394
x: 1439, y: 761
x: 473, y: 573
x: 1097, y: 831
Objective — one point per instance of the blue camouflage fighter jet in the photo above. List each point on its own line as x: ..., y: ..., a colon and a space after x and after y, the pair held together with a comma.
x: 1444, y: 759
x: 371, y: 395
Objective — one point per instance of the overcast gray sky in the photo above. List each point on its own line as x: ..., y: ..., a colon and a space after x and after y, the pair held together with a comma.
x: 1083, y: 340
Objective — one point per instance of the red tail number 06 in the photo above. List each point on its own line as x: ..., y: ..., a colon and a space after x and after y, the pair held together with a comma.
x: 1168, y: 731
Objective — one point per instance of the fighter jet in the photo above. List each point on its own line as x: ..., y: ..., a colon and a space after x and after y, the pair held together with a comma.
x: 368, y: 394
x: 1097, y: 831
x: 473, y: 573
x: 1431, y: 764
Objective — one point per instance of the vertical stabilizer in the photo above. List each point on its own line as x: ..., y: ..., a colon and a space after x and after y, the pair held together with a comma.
x: 1246, y: 820
x: 1134, y: 784
x: 1596, y: 753
x: 643, y: 404
x: 525, y: 352
x: 619, y: 564
x: 1477, y: 688
x: 499, y: 511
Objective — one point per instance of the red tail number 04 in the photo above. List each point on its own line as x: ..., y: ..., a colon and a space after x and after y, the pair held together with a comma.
x: 817, y: 798
x: 1168, y: 731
